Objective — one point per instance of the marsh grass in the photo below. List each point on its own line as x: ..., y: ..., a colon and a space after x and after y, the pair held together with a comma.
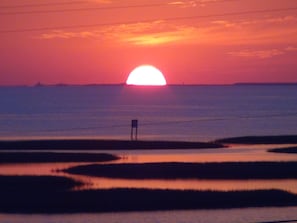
x: 177, y: 170
x: 290, y: 150
x: 47, y: 194
x: 93, y: 144
x: 278, y: 139
x: 54, y: 157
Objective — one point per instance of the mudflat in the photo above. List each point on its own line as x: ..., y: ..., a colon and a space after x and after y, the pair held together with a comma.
x: 179, y: 170
x: 54, y: 157
x: 48, y: 194
x: 98, y: 144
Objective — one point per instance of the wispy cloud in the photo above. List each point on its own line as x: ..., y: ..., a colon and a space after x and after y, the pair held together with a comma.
x: 184, y: 4
x: 67, y: 35
x: 281, y: 29
x: 194, y: 3
x: 279, y: 20
x: 100, y: 1
x: 262, y: 54
x: 267, y: 31
x: 291, y: 48
x: 155, y: 33
x: 224, y: 23
x: 282, y: 19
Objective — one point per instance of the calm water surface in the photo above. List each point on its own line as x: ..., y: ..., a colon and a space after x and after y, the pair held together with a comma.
x: 233, y: 153
x: 171, y: 112
x: 248, y: 215
x: 167, y: 113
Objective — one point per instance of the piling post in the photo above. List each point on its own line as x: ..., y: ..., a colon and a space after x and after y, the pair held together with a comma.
x: 134, y: 125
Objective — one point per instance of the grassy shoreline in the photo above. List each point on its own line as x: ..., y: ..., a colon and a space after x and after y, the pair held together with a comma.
x: 289, y: 150
x: 45, y: 194
x: 54, y: 157
x: 277, y: 139
x: 54, y: 194
x: 177, y: 170
x: 105, y: 144
x: 97, y: 144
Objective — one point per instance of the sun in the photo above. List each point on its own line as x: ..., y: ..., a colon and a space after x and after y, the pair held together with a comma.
x: 146, y: 75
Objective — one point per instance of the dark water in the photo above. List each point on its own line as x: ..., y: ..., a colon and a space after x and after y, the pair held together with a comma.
x: 248, y: 215
x: 171, y: 112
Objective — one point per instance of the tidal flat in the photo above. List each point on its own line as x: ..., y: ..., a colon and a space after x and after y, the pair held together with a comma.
x: 98, y: 144
x: 62, y: 194
x: 290, y: 150
x: 175, y: 170
x: 54, y: 157
x: 47, y: 194
x: 277, y: 139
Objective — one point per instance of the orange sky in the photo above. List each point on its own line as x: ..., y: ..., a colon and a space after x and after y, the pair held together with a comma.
x: 191, y: 42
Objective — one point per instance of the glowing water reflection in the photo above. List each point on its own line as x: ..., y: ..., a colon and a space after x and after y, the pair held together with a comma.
x: 236, y: 153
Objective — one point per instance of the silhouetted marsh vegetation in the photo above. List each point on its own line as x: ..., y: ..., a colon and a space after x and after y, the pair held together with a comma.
x: 291, y: 150
x: 53, y: 194
x: 176, y: 170
x: 281, y: 139
x: 19, y: 184
x: 46, y: 194
x: 93, y: 144
x: 54, y: 157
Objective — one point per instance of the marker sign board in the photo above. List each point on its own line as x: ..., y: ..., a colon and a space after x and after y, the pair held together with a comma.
x: 134, y: 123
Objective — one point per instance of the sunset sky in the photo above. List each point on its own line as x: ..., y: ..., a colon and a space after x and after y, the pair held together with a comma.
x: 191, y: 42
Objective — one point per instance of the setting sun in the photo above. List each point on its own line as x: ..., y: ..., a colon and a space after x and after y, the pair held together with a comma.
x: 146, y: 75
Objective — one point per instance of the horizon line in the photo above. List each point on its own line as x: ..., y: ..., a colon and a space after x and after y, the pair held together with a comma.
x: 39, y: 84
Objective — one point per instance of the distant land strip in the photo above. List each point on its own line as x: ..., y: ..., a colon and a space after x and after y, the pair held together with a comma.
x: 46, y: 194
x: 291, y: 150
x: 278, y: 139
x: 180, y: 170
x: 94, y: 144
x: 54, y: 157
x: 265, y: 83
x: 39, y: 84
x: 102, y: 144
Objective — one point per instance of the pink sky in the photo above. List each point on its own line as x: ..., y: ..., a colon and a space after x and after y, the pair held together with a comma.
x: 220, y: 41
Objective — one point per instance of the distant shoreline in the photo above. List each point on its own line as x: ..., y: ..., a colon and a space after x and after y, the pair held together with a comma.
x: 97, y: 144
x: 275, y: 139
x: 54, y: 157
x: 124, y: 84
x: 179, y: 170
x: 105, y: 144
x: 289, y: 150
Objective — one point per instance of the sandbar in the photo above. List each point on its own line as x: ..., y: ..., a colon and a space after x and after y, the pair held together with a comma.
x: 180, y: 170
x: 45, y: 194
x: 54, y: 157
x: 277, y: 139
x: 98, y: 144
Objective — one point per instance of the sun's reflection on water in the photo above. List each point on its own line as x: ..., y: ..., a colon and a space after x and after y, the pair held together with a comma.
x: 239, y: 154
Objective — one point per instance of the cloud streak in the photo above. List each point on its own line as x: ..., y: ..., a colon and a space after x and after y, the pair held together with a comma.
x: 155, y: 33
x: 281, y: 30
x: 262, y: 54
x: 195, y: 3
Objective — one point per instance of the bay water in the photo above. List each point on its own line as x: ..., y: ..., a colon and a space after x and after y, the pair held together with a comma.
x: 192, y: 113
x: 163, y: 113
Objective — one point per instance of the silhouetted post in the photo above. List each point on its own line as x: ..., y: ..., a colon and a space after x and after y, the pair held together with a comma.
x: 134, y: 125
